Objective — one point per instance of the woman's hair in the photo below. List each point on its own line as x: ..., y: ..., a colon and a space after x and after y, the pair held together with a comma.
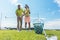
x: 26, y: 6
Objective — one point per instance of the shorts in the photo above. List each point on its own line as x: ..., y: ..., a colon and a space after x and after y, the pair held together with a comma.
x: 27, y: 19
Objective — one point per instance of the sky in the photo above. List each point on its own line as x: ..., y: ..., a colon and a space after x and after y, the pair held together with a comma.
x: 47, y: 10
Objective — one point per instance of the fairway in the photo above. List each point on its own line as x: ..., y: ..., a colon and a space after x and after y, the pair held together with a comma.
x: 26, y: 35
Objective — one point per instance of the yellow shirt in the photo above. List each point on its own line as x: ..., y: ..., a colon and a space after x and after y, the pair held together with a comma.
x: 19, y: 12
x: 27, y: 12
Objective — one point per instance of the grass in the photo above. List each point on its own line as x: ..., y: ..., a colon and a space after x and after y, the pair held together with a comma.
x: 26, y: 35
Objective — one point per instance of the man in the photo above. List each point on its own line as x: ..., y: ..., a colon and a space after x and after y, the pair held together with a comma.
x: 19, y: 13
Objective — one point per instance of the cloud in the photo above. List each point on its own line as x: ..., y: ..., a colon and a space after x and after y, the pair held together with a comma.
x: 7, y: 23
x: 14, y: 2
x: 57, y: 2
x: 59, y: 11
x: 37, y: 19
x: 53, y: 12
x: 54, y: 24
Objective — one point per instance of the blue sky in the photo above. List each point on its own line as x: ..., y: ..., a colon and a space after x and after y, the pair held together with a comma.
x: 48, y: 10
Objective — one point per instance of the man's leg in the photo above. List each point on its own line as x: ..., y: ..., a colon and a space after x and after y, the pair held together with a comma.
x: 21, y: 24
x: 17, y: 23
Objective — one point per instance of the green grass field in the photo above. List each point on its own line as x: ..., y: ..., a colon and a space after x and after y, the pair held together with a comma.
x: 26, y: 35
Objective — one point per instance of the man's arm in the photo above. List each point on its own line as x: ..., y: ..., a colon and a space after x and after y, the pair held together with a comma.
x: 22, y: 13
x: 16, y: 13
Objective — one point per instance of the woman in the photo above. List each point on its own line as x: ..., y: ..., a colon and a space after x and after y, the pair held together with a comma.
x: 27, y: 16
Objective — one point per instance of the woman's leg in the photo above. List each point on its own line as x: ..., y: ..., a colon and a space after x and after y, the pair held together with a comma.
x: 29, y: 25
x: 25, y: 25
x: 28, y: 21
x: 25, y: 22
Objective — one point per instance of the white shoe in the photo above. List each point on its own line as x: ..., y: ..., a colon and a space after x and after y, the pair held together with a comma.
x: 18, y: 30
x: 30, y: 30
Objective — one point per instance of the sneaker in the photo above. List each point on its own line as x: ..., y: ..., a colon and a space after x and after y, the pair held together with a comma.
x: 18, y: 30
x: 30, y: 30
